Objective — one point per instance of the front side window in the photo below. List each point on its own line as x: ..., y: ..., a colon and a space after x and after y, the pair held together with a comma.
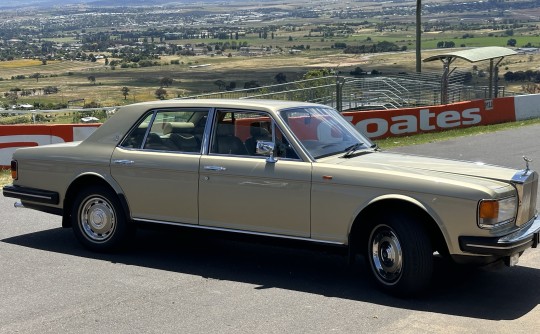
x: 237, y: 133
x: 323, y: 131
x: 169, y: 130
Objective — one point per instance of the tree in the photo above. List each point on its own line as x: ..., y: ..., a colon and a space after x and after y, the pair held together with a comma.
x: 322, y: 72
x: 280, y: 78
x: 357, y: 71
x: 50, y: 90
x: 511, y: 42
x: 221, y: 84
x: 251, y: 84
x: 160, y: 93
x: 92, y: 79
x: 125, y: 92
x: 166, y: 81
x: 11, y: 97
x: 36, y: 76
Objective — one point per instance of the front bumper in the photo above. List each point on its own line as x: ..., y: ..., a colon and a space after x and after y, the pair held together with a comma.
x: 526, y: 237
x: 31, y: 194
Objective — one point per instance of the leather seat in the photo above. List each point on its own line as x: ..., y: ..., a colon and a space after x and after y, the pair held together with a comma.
x: 226, y: 142
x: 185, y: 142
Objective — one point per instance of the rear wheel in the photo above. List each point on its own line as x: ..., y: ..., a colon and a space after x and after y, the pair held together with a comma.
x: 400, y: 255
x: 98, y: 220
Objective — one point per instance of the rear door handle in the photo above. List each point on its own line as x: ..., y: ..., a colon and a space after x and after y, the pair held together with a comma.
x: 216, y: 168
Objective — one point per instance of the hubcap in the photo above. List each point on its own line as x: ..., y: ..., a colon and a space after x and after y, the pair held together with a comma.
x: 97, y: 219
x: 386, y: 254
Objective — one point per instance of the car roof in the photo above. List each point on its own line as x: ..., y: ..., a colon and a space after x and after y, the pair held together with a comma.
x: 119, y: 124
x: 229, y: 103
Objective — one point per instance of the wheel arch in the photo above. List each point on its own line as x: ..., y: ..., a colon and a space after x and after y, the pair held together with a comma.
x: 364, y: 220
x: 86, y: 180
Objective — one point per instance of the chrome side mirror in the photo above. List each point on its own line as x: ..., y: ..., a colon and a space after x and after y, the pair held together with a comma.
x: 266, y: 148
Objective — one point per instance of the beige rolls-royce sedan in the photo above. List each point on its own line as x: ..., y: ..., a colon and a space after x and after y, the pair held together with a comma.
x: 279, y: 169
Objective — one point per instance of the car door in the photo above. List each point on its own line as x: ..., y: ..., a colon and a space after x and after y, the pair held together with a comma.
x: 157, y: 165
x: 240, y: 190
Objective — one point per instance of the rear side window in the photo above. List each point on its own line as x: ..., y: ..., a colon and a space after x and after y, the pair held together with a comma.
x: 171, y: 130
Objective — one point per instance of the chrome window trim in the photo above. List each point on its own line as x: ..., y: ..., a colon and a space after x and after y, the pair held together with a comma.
x: 154, y: 113
x: 208, y: 130
x: 150, y: 124
x: 213, y: 129
x: 157, y: 151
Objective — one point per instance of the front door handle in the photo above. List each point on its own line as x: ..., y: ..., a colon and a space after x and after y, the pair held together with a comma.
x: 123, y: 162
x: 216, y: 168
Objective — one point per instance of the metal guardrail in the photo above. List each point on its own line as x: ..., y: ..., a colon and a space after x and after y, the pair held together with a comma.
x: 363, y: 92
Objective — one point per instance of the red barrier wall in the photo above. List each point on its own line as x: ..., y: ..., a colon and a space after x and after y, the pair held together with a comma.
x: 15, y: 136
x: 404, y: 122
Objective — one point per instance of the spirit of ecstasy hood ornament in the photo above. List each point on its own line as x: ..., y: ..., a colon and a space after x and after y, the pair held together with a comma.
x: 527, y: 160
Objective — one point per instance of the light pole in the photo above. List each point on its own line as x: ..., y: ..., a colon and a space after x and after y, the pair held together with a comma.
x: 418, y: 35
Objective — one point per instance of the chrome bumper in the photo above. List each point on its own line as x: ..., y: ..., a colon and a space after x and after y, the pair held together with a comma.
x: 526, y: 237
x: 31, y: 194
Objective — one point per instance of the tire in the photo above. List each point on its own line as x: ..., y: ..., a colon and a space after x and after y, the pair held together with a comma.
x: 98, y: 220
x: 400, y: 256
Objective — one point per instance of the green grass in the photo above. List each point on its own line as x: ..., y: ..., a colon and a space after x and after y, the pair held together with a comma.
x: 446, y: 135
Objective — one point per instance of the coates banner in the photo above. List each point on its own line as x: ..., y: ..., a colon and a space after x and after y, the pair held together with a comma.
x: 404, y: 122
x: 13, y: 137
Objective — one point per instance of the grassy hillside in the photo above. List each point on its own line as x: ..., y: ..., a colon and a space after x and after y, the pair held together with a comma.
x: 72, y: 77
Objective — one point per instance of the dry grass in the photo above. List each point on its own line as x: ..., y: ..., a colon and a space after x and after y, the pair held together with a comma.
x: 19, y: 63
x: 5, y: 177
x: 72, y: 77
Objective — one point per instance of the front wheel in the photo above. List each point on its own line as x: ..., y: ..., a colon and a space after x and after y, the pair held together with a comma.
x: 98, y: 220
x: 400, y: 256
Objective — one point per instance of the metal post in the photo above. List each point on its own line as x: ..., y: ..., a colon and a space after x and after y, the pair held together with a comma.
x: 339, y: 94
x: 444, y: 80
x: 490, y: 87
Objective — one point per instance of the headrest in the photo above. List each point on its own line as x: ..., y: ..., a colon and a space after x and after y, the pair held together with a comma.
x: 258, y: 131
x: 225, y: 129
x: 178, y: 127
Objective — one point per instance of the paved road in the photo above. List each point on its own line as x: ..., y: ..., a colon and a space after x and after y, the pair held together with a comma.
x: 200, y: 283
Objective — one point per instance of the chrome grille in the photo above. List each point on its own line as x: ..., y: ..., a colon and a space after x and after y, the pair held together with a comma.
x: 527, y: 192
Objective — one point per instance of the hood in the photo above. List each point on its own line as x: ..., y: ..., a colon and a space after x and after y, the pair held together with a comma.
x: 423, y: 165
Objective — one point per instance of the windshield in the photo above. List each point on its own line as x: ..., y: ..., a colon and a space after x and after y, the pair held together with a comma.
x: 324, y: 132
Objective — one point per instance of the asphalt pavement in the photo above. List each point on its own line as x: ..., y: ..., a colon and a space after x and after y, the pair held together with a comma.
x: 182, y: 281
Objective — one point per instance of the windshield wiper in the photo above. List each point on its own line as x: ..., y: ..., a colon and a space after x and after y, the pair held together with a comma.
x: 351, y: 149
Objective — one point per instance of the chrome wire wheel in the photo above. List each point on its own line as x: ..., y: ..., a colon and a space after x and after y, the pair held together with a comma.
x: 97, y: 218
x: 386, y: 254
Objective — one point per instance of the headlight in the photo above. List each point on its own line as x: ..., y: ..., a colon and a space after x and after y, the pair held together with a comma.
x: 494, y: 213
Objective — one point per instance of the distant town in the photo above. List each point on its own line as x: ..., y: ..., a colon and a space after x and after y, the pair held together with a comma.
x: 91, y: 32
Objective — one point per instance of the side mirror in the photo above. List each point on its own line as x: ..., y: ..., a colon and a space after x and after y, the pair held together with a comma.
x: 266, y: 148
